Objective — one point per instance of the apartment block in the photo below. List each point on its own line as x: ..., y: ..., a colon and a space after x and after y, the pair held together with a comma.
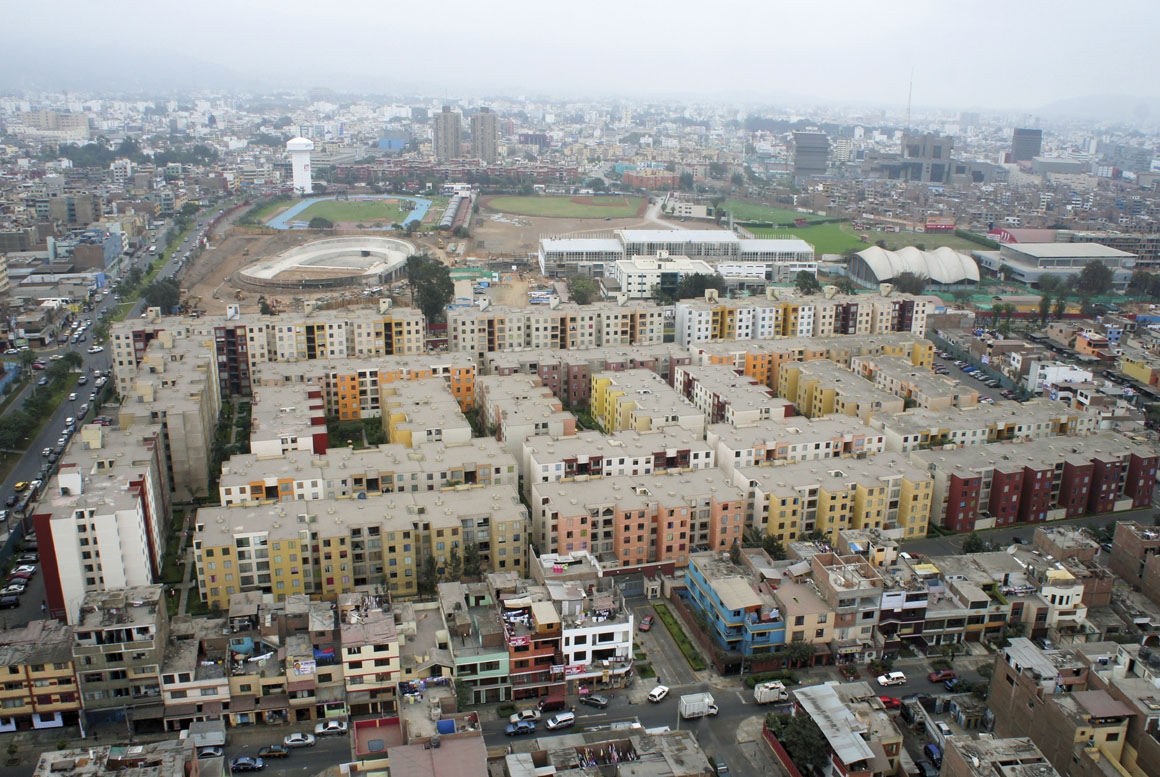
x: 569, y: 373
x: 482, y: 330
x: 919, y: 387
x: 103, y: 519
x: 533, y: 633
x: 118, y: 648
x: 636, y: 520
x: 370, y: 654
x: 883, y: 492
x: 918, y: 429
x: 423, y: 411
x: 40, y: 688
x: 795, y: 439
x: 726, y: 397
x: 1041, y: 480
x: 171, y: 758
x: 287, y: 418
x: 330, y: 547
x: 477, y: 640
x: 1067, y: 712
x: 1135, y: 548
x: 195, y: 682
x: 853, y: 589
x: 990, y: 756
x: 740, y: 611
x: 341, y: 473
x: 352, y: 387
x: 598, y: 627
x: 175, y: 386
x: 762, y: 360
x: 640, y: 400
x: 591, y: 454
x: 517, y: 407
x: 822, y: 387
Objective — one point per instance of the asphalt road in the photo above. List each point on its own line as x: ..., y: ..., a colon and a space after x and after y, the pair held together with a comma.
x: 302, y: 760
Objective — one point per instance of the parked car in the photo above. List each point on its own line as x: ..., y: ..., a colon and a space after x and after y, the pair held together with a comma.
x: 890, y: 702
x: 523, y: 727
x: 24, y: 568
x: 12, y: 589
x: 299, y: 740
x: 274, y: 751
x: 892, y: 678
x: 941, y: 675
x: 96, y: 349
x: 561, y: 720
x: 330, y: 728
x: 658, y: 694
x: 952, y: 684
x: 516, y: 717
x: 210, y: 752
x: 10, y: 500
x: 646, y: 623
x: 247, y: 764
x: 595, y: 700
x: 82, y: 380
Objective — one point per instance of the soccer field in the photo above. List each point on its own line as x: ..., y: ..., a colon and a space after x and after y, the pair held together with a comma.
x: 839, y: 238
x: 356, y: 211
x: 568, y: 207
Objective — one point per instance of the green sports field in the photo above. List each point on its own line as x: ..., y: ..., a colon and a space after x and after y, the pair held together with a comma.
x: 568, y: 207
x: 839, y: 238
x: 355, y: 212
x: 752, y: 211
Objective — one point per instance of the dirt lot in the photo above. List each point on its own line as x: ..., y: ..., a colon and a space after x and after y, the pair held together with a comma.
x: 505, y: 234
x: 210, y: 276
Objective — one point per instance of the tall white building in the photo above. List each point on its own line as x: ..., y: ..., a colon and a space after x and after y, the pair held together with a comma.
x: 299, y: 149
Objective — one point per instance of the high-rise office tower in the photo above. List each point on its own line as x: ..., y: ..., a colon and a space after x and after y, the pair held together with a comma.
x: 1026, y: 144
x: 484, y: 136
x: 448, y: 135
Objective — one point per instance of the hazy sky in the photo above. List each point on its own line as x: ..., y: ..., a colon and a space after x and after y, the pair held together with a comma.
x: 1016, y: 54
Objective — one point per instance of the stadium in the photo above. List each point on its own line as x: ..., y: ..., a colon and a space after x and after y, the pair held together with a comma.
x: 944, y: 267
x: 333, y: 263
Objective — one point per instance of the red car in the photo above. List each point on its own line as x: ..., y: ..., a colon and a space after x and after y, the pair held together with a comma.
x: 890, y: 703
x: 941, y: 675
x: 646, y: 623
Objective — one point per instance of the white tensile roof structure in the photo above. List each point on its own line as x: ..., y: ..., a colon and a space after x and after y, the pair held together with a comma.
x: 944, y: 266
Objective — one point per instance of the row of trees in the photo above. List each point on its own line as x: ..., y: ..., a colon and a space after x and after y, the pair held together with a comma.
x: 467, y: 565
x: 17, y: 425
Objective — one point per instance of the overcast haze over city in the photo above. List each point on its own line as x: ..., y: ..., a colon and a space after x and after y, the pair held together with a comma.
x: 1020, y: 56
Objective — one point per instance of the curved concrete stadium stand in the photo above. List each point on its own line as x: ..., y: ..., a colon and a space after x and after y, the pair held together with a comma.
x: 331, y: 263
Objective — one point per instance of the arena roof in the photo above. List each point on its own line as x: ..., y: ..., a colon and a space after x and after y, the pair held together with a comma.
x: 942, y: 265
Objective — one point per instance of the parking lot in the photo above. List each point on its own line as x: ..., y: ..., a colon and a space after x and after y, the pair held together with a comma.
x: 968, y: 375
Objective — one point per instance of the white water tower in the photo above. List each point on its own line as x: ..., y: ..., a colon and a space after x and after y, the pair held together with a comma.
x: 300, y: 149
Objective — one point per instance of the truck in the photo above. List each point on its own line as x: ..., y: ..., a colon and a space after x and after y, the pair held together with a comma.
x: 697, y: 705
x: 771, y: 692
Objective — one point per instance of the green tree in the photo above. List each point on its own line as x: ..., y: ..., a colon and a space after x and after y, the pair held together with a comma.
x: 431, y: 286
x: 71, y: 360
x: 264, y: 307
x: 774, y: 547
x: 1093, y: 280
x: 845, y: 285
x: 974, y: 544
x: 802, y: 739
x: 807, y: 282
x: 27, y: 358
x: 472, y: 562
x: 1060, y: 307
x: 1044, y: 308
x: 164, y: 294
x: 738, y: 180
x: 453, y: 569
x: 318, y: 222
x: 962, y: 296
x: 596, y: 184
x: 582, y: 289
x: 799, y: 652
x: 717, y: 170
x: 910, y: 283
x: 428, y: 577
x: 735, y: 552
x: 686, y: 182
x: 691, y: 287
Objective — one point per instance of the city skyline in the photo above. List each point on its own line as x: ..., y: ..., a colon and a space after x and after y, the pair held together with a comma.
x: 990, y: 55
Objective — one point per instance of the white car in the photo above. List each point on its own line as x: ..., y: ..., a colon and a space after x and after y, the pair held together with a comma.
x: 516, y: 717
x: 299, y: 740
x: 330, y: 728
x: 72, y: 397
x: 892, y: 678
x: 658, y: 694
x: 96, y: 349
